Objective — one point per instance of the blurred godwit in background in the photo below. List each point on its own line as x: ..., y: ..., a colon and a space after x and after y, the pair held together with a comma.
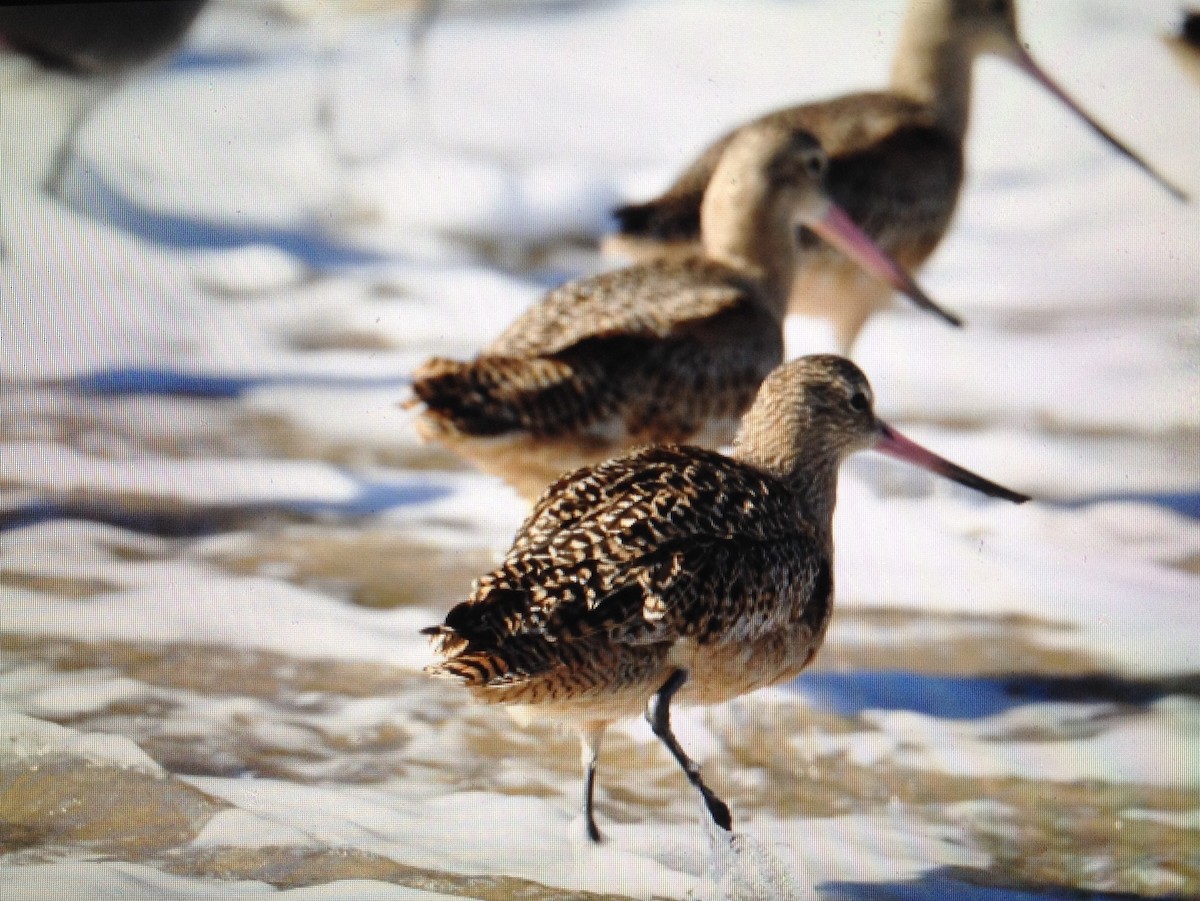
x: 101, y: 43
x: 671, y: 350
x: 896, y: 158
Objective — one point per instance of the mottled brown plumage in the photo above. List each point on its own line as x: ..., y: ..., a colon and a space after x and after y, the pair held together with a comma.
x: 668, y: 351
x: 896, y: 159
x: 676, y: 569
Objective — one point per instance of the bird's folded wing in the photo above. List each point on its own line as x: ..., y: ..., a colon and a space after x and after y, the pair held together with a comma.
x: 666, y: 543
x: 650, y: 301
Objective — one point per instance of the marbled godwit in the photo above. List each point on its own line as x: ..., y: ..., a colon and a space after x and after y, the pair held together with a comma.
x: 668, y: 351
x: 100, y: 42
x: 896, y: 157
x: 676, y: 570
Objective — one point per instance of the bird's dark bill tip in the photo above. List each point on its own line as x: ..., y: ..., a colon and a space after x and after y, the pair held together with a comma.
x: 1178, y: 193
x: 1021, y: 58
x: 984, y: 486
x: 838, y: 229
x: 896, y: 445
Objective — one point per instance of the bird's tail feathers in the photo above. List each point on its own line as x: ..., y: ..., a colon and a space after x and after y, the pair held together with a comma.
x: 494, y: 395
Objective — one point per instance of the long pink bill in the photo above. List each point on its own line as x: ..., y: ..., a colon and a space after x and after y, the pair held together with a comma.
x: 896, y: 445
x: 1026, y: 63
x: 839, y: 230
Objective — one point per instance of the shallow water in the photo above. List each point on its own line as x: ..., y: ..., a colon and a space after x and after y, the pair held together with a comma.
x: 219, y: 536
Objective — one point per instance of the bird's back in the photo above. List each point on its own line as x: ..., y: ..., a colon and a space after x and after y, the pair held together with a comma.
x: 97, y: 38
x: 626, y: 566
x: 890, y: 167
x: 657, y: 353
x: 651, y: 301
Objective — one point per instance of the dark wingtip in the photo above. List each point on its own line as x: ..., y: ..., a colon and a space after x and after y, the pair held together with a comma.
x: 672, y: 217
x: 633, y: 218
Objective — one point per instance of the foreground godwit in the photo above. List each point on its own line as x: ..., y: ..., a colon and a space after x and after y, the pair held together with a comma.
x: 672, y: 350
x: 677, y: 571
x: 896, y: 158
x: 100, y: 42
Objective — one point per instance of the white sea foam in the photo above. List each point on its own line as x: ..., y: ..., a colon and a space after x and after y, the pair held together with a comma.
x: 25, y: 740
x: 946, y: 555
x: 54, y: 469
x: 1075, y: 379
x: 1156, y: 747
x: 114, y: 881
x: 230, y: 612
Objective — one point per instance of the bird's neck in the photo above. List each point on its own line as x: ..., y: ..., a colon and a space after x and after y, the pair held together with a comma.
x: 776, y: 445
x: 755, y: 237
x: 933, y: 65
x: 816, y: 490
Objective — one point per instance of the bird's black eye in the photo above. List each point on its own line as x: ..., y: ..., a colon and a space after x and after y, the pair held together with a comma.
x: 816, y: 164
x: 859, y: 402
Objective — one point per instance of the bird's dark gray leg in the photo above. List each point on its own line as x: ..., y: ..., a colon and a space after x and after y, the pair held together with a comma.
x: 658, y: 715
x: 589, y: 738
x: 66, y: 152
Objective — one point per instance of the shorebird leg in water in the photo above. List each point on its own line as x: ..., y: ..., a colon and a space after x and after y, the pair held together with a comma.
x: 589, y: 738
x: 658, y: 715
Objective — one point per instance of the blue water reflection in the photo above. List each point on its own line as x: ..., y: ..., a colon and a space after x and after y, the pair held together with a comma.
x: 93, y: 196
x: 372, y: 498
x: 942, y: 885
x: 121, y: 380
x: 973, y: 697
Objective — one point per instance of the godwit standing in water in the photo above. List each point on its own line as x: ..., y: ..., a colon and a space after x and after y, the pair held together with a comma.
x: 677, y: 571
x: 895, y: 158
x: 100, y: 42
x: 671, y: 350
